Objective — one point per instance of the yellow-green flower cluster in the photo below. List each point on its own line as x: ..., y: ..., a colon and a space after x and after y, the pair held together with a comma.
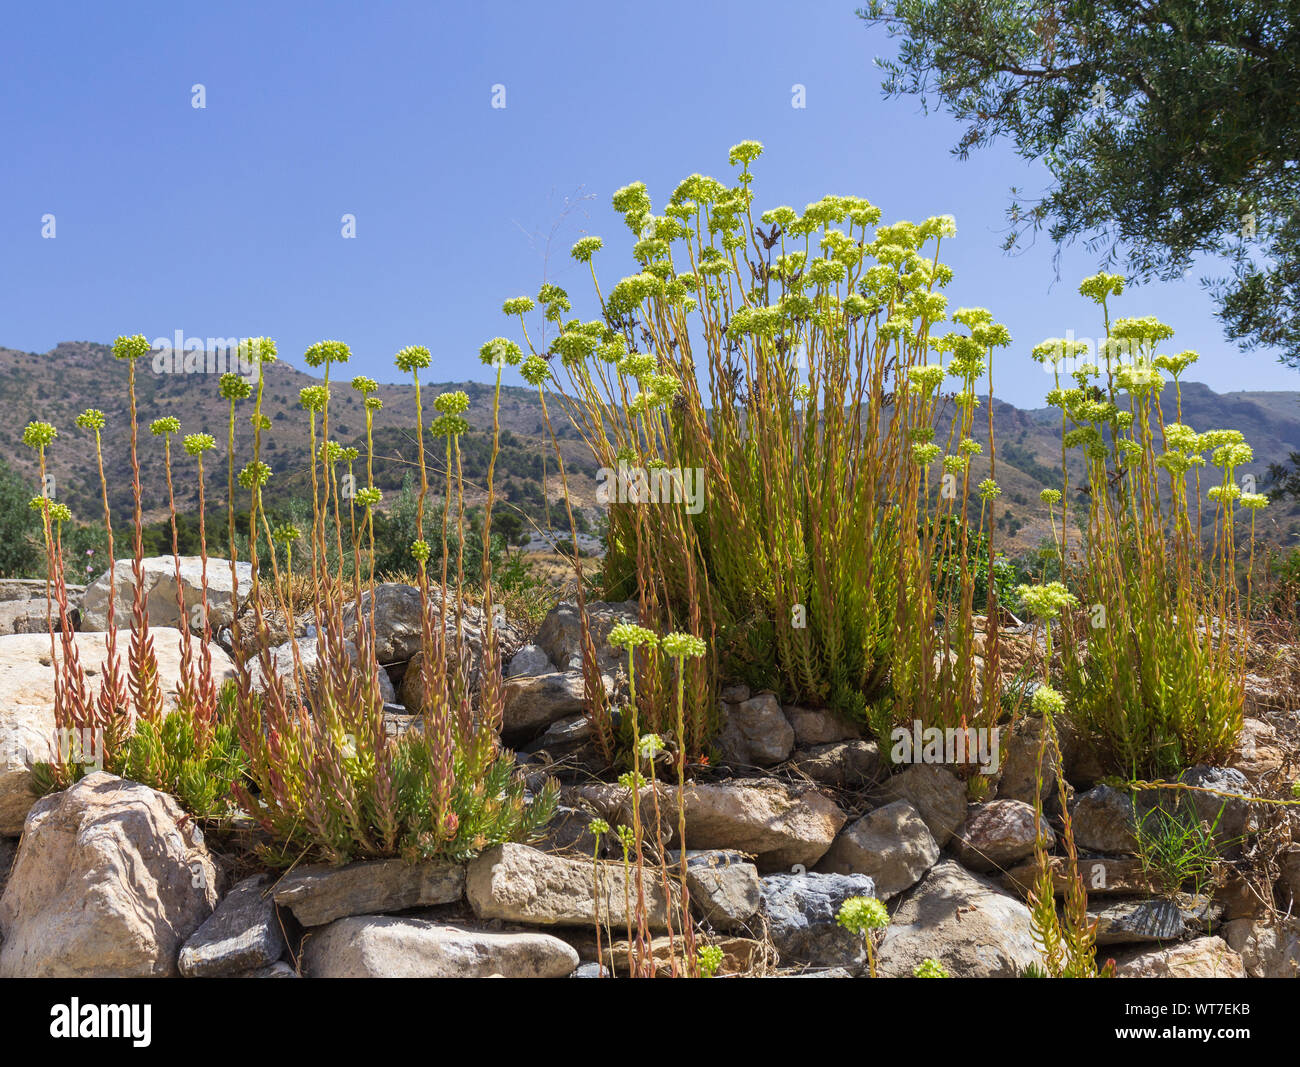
x: 1046, y: 601
x: 327, y: 352
x: 232, y: 387
x: 412, y: 358
x: 860, y: 915
x: 39, y: 434
x: 629, y: 636
x: 681, y: 646
x: 91, y: 419
x: 131, y: 348
x: 198, y: 443
x: 166, y: 425
x: 1047, y: 701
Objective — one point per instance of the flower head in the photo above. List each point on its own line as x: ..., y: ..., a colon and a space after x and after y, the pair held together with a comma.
x: 131, y: 348
x: 1047, y: 701
x: 861, y: 914
x: 1046, y: 601
x: 168, y: 424
x: 363, y: 385
x: 198, y: 443
x: 232, y: 387
x: 90, y: 419
x: 39, y: 434
x: 930, y: 968
x: 412, y: 358
x: 327, y: 352
x: 629, y: 636
x: 680, y: 646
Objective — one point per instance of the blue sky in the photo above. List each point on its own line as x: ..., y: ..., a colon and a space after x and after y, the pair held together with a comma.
x: 227, y: 220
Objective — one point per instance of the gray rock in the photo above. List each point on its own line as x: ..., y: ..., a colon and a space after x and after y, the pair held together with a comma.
x: 964, y: 921
x: 1104, y: 820
x: 998, y: 834
x: 564, y: 736
x: 801, y: 911
x: 591, y: 969
x: 280, y: 969
x: 755, y: 733
x: 533, y: 702
x: 319, y: 894
x: 735, y: 694
x: 1232, y: 817
x: 283, y: 664
x: 1205, y: 957
x: 517, y: 883
x: 399, y: 624
x: 242, y: 934
x: 110, y: 880
x: 817, y: 726
x: 158, y: 580
x: 780, y: 825
x: 531, y: 659
x: 1102, y: 876
x: 378, y: 946
x: 569, y: 831
x: 561, y: 634
x: 935, y: 792
x: 1020, y: 751
x: 724, y: 887
x: 842, y: 764
x: 891, y: 844
x: 1268, y: 949
x: 1128, y: 921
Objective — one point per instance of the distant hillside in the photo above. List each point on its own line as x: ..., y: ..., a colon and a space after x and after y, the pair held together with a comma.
x: 57, y: 385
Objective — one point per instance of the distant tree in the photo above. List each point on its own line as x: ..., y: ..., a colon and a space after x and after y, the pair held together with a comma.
x: 20, y: 526
x: 1171, y: 129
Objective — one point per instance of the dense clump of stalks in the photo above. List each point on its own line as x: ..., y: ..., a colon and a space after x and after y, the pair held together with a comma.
x: 330, y: 780
x: 1153, y: 667
x: 307, y: 752
x: 788, y: 362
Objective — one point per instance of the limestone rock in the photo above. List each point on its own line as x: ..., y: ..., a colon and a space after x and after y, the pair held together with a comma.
x: 159, y: 583
x: 1205, y: 957
x: 891, y: 844
x: 243, y: 934
x: 27, y: 729
x: 936, y: 793
x: 964, y: 921
x: 110, y: 880
x: 998, y: 834
x: 319, y: 894
x: 517, y: 883
x: 381, y: 946
x: 755, y: 733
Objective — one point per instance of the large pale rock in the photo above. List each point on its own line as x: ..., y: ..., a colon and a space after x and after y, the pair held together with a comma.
x: 935, y: 792
x: 561, y: 634
x: 243, y: 934
x: 319, y: 894
x: 998, y: 834
x: 27, y: 729
x: 964, y: 921
x: 32, y: 617
x: 159, y: 584
x: 111, y: 879
x: 521, y: 884
x: 399, y: 625
x: 801, y: 912
x: 1268, y: 949
x: 780, y: 825
x: 891, y: 844
x: 532, y: 702
x: 381, y: 946
x: 1206, y: 957
x: 755, y: 733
